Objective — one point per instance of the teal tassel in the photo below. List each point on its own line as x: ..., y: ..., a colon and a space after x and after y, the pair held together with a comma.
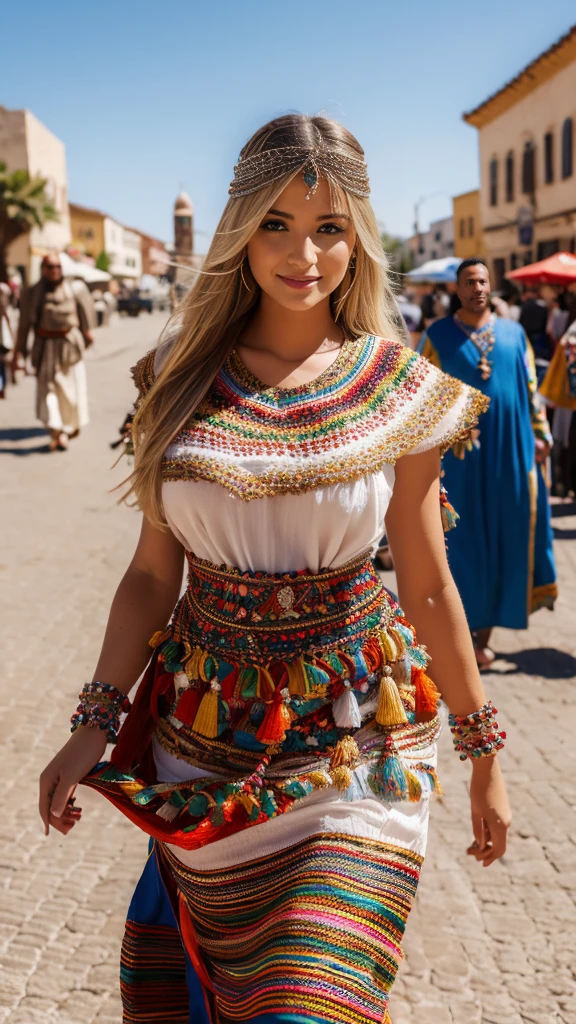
x: 389, y: 779
x: 315, y: 676
x: 449, y: 514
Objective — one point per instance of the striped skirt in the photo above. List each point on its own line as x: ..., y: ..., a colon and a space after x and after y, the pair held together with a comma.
x: 311, y: 934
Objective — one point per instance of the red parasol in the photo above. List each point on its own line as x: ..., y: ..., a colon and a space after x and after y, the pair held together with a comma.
x: 557, y: 269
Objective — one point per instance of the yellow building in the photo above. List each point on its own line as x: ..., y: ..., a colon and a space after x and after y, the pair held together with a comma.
x: 468, y: 239
x: 527, y: 162
x: 87, y: 229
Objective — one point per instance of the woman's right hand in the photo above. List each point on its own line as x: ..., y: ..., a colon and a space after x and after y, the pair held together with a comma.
x: 58, y: 781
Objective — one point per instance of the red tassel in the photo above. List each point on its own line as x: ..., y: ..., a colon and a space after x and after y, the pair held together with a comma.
x: 277, y: 719
x: 427, y: 695
x: 228, y: 684
x: 188, y: 705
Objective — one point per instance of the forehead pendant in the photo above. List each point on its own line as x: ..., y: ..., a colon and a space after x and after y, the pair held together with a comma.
x: 311, y: 180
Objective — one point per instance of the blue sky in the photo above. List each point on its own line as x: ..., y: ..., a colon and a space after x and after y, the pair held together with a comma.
x: 152, y: 96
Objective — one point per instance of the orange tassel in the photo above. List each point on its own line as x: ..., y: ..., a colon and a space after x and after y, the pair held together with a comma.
x: 277, y: 719
x: 427, y: 695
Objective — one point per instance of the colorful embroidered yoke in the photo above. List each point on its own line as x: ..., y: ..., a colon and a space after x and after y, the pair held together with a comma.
x: 378, y: 401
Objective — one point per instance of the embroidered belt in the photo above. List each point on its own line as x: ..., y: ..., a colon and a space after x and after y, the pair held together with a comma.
x: 280, y: 684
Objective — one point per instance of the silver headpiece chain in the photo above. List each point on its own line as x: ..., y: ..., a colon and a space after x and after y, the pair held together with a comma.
x: 254, y: 172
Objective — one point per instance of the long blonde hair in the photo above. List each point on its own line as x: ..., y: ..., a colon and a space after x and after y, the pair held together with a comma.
x: 219, y: 305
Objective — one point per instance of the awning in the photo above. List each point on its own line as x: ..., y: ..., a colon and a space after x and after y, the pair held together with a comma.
x: 74, y: 268
x: 557, y: 269
x: 436, y: 271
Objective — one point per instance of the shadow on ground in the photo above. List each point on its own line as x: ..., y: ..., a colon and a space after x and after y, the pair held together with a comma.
x: 542, y: 661
x: 559, y: 511
x: 17, y: 434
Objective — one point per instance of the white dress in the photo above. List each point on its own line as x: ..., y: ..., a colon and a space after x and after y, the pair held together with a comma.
x: 315, y: 527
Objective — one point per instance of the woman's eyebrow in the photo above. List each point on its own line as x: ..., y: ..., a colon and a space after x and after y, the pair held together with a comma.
x: 331, y: 216
x: 279, y: 213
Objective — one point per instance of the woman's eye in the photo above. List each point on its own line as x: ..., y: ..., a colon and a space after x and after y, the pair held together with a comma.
x: 273, y: 225
x: 331, y: 229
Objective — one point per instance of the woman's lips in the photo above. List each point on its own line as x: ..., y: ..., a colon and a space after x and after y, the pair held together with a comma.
x: 299, y: 282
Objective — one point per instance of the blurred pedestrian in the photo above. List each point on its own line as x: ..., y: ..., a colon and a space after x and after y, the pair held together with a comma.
x: 534, y: 320
x: 61, y: 314
x: 559, y: 388
x: 6, y: 338
x: 501, y: 552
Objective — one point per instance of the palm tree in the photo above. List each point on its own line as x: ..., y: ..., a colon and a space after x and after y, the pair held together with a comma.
x: 23, y: 205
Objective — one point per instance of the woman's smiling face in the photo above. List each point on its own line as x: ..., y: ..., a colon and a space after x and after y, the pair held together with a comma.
x: 302, y: 249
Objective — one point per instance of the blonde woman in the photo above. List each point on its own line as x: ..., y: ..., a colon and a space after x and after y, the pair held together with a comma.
x: 278, y: 426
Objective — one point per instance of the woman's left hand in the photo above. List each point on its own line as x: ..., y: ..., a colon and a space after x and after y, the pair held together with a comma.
x: 491, y: 814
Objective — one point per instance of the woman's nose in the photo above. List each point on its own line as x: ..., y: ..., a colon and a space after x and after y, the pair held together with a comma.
x: 303, y: 253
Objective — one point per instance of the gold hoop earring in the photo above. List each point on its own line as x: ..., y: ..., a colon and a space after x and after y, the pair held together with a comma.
x: 242, y: 276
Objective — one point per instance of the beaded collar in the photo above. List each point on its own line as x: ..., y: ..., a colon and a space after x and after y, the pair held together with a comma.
x: 376, y: 402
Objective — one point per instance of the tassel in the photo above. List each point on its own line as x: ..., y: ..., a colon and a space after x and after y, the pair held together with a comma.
x: 265, y: 686
x: 193, y: 664
x: 389, y: 780
x: 277, y: 720
x: 320, y: 779
x: 249, y: 682
x: 168, y: 811
x: 228, y: 681
x: 206, y: 721
x: 157, y: 638
x: 414, y: 787
x: 345, y: 752
x: 342, y: 777
x: 427, y: 695
x: 316, y: 677
x: 188, y: 705
x: 345, y: 709
x: 297, y: 679
x: 390, y: 710
x: 448, y: 513
x: 388, y: 646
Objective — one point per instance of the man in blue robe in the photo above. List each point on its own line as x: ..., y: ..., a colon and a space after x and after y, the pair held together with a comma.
x: 501, y: 552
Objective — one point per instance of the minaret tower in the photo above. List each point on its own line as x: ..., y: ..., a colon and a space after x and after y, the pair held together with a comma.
x: 183, y: 228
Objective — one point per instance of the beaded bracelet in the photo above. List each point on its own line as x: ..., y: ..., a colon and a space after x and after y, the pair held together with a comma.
x: 100, y: 707
x: 477, y: 735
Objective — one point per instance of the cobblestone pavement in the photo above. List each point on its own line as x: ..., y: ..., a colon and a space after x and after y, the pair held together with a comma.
x: 483, y: 947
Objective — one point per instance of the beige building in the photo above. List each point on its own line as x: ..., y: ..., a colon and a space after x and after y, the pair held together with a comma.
x: 527, y: 161
x: 468, y: 240
x: 26, y: 144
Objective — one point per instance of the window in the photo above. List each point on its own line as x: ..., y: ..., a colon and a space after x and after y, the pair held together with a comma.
x: 548, y: 158
x: 471, y: 227
x: 494, y: 182
x: 462, y: 227
x: 513, y: 261
x: 546, y: 249
x: 510, y: 177
x: 499, y: 271
x: 528, y: 169
x: 438, y: 236
x: 433, y: 254
x: 528, y: 257
x: 567, y: 148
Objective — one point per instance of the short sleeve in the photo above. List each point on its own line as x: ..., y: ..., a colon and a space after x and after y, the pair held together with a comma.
x: 453, y: 410
x: 143, y: 374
